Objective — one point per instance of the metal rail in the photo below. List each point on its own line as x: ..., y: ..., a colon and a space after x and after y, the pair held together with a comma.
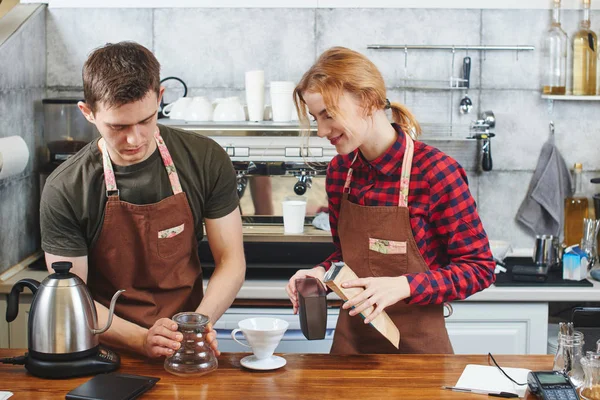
x: 449, y: 47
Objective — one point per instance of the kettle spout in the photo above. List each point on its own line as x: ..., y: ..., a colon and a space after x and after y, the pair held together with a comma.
x: 110, y: 313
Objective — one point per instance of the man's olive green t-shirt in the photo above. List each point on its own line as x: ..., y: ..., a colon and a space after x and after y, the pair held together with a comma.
x: 74, y: 197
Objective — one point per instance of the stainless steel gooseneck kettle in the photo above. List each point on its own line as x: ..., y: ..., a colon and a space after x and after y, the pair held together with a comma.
x: 62, y: 327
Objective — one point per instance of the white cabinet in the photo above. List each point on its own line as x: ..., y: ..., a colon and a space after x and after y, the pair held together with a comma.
x: 474, y: 328
x: 3, y: 324
x: 293, y: 340
x: 18, y: 328
x: 498, y: 328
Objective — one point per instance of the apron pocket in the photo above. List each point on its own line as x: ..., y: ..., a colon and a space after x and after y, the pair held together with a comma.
x: 171, y: 240
x: 387, y: 246
x: 171, y: 232
x: 387, y: 257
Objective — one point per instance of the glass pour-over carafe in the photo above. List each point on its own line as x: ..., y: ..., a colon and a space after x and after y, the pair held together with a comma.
x: 590, y: 390
x: 195, y: 356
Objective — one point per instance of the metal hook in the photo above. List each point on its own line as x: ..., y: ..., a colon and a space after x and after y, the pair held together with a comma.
x: 552, y: 128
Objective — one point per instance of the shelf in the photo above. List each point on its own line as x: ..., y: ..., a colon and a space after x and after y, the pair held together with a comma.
x: 569, y: 97
x: 431, y: 132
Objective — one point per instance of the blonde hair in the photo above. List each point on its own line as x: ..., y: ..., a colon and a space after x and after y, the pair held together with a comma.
x: 340, y: 70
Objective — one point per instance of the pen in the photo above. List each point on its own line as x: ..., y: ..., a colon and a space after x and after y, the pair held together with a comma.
x: 506, y: 395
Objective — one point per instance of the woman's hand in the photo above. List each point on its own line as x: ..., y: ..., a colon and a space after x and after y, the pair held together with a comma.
x: 379, y: 293
x: 316, y: 272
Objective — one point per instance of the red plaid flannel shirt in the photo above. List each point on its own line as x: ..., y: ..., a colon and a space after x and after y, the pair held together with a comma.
x: 443, y: 217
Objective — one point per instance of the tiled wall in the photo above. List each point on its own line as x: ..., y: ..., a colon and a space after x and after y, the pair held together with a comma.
x: 211, y: 48
x: 22, y: 86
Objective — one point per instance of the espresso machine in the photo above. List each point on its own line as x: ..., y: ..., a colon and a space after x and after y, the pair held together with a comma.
x: 274, y: 161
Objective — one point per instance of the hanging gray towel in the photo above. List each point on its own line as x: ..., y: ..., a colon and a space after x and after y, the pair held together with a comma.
x: 543, y: 208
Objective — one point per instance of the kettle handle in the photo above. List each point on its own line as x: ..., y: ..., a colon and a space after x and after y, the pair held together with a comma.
x: 12, y: 309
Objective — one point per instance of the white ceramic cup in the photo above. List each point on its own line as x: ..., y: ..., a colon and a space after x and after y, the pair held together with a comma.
x: 176, y: 109
x: 282, y: 100
x: 255, y: 95
x: 199, y: 109
x: 263, y: 334
x: 294, y: 211
x: 229, y: 109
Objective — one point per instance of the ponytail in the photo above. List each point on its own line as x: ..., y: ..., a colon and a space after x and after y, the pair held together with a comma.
x: 407, y: 121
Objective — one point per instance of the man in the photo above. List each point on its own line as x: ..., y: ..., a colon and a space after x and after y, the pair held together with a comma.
x: 127, y: 210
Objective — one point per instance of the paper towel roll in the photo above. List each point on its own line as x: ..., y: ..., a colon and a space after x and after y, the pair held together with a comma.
x: 14, y: 156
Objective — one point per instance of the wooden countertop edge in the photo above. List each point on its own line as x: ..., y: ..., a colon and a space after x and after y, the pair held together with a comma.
x: 21, y: 265
x: 330, y: 376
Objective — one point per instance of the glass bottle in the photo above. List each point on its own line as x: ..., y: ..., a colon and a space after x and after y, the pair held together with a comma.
x: 568, y: 355
x: 585, y: 56
x: 576, y: 209
x: 195, y: 356
x: 590, y: 390
x: 554, y: 56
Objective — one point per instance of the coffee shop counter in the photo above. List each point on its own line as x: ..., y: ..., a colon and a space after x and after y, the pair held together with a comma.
x: 305, y: 376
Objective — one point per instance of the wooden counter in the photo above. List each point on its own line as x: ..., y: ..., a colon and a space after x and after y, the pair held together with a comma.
x: 306, y: 376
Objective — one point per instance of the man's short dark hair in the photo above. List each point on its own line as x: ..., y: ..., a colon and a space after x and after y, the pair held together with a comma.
x: 118, y: 74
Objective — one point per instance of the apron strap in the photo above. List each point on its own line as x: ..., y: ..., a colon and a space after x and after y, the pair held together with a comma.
x: 168, y: 163
x: 109, y: 173
x: 349, y: 175
x: 405, y: 174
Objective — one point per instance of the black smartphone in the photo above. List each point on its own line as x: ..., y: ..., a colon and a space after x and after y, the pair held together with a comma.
x: 113, y: 386
x: 530, y: 273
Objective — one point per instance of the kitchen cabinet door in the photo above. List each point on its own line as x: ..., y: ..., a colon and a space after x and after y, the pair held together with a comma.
x: 498, y: 328
x: 18, y: 328
x: 3, y: 324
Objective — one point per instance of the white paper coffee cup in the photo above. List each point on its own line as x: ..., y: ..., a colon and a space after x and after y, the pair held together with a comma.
x: 255, y: 95
x: 294, y: 211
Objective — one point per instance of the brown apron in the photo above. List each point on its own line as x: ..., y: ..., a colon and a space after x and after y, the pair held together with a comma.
x: 149, y: 250
x: 378, y: 241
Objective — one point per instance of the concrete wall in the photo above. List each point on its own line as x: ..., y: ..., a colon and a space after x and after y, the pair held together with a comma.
x: 211, y: 48
x: 22, y: 86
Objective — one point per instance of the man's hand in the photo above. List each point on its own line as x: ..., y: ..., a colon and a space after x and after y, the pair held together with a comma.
x: 379, y: 292
x: 211, y: 339
x: 162, y: 339
x: 316, y: 272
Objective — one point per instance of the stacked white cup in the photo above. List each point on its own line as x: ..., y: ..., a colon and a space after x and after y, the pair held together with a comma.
x: 282, y: 101
x: 255, y: 95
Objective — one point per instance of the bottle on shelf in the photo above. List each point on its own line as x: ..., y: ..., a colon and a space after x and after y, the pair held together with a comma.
x: 576, y: 209
x: 585, y: 56
x: 554, y: 56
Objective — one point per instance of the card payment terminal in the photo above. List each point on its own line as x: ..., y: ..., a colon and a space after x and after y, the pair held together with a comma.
x: 551, y: 385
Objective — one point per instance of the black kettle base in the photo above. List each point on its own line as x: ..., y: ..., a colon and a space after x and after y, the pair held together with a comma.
x: 103, y: 361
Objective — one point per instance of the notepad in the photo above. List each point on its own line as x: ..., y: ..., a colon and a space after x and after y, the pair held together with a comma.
x: 490, y: 378
x: 5, y: 395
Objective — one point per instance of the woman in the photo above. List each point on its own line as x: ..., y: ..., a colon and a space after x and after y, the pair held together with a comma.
x: 401, y: 213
